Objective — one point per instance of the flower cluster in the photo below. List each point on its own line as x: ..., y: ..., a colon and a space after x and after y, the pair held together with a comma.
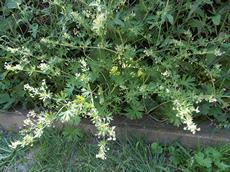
x: 184, y: 112
x: 42, y: 92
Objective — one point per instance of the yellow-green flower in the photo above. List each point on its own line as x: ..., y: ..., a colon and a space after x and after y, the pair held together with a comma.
x: 140, y: 73
x: 79, y: 99
x: 114, y: 71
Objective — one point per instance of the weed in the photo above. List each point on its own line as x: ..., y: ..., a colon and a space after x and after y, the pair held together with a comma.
x: 97, y: 59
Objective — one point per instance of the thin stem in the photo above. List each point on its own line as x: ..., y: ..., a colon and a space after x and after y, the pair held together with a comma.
x: 156, y: 107
x: 86, y: 47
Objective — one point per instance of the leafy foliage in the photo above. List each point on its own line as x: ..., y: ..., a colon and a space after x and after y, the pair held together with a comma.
x: 98, y: 59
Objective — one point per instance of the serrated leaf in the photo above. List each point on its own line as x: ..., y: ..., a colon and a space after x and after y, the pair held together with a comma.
x: 135, y: 111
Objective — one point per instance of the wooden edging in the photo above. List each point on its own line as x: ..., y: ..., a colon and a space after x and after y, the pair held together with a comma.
x: 146, y: 127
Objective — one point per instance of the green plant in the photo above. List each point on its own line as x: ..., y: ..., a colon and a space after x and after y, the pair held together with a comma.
x: 97, y: 59
x: 206, y: 159
x: 54, y: 153
x: 8, y: 155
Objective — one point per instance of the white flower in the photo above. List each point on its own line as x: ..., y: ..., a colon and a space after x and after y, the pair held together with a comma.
x: 98, y: 23
x: 197, y: 110
x: 166, y: 73
x: 15, y: 144
x: 7, y: 66
x: 77, y: 75
x: 44, y: 66
x: 184, y: 112
x: 212, y: 99
x: 102, y: 150
x: 218, y: 52
x: 148, y: 52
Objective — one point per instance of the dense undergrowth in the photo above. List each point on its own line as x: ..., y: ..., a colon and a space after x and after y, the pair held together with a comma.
x: 96, y: 59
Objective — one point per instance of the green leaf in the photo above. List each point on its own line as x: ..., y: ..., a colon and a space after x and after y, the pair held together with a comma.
x: 12, y: 4
x: 75, y: 120
x: 72, y: 134
x: 221, y: 165
x: 156, y: 148
x: 205, y: 108
x: 1, y: 77
x: 34, y: 30
x: 135, y: 110
x: 143, y: 6
x: 213, y: 153
x: 170, y: 18
x: 118, y: 21
x: 216, y: 19
x: 217, y: 113
x: 6, y: 101
x: 6, y: 24
x: 201, y: 160
x: 4, y: 98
